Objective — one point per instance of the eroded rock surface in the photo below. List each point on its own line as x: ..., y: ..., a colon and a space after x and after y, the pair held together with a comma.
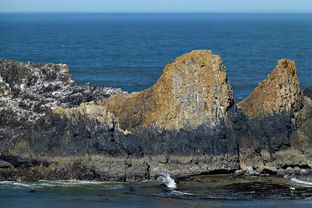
x: 273, y: 113
x: 185, y: 124
x: 193, y: 91
x: 280, y: 93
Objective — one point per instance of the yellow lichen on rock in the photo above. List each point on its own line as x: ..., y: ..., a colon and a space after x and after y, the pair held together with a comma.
x: 279, y: 93
x: 192, y: 91
x: 91, y: 111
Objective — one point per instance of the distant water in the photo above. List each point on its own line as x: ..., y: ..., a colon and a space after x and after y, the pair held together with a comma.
x: 130, y: 50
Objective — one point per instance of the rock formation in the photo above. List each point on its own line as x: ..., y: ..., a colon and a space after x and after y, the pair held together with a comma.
x: 271, y: 115
x: 185, y: 124
x: 193, y: 91
x: 280, y: 93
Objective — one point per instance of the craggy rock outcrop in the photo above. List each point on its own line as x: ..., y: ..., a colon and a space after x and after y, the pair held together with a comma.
x: 193, y: 91
x: 28, y: 91
x: 278, y: 94
x: 186, y: 124
x: 273, y: 111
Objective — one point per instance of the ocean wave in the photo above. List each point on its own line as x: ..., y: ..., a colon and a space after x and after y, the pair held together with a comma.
x: 168, y: 180
x: 180, y: 193
x: 301, y: 182
x: 60, y: 183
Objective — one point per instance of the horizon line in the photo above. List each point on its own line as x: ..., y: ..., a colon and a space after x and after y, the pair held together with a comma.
x: 159, y: 12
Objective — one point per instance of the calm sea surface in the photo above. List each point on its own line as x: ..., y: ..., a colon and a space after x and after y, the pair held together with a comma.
x: 85, y: 194
x: 129, y: 51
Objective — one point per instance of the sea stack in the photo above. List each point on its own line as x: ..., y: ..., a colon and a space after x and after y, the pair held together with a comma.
x: 186, y: 124
x: 271, y: 114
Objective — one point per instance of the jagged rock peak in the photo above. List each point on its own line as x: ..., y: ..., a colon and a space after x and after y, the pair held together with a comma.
x: 193, y: 90
x: 279, y: 93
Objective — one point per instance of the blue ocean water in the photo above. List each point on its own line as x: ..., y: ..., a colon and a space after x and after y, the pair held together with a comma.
x: 130, y: 50
x: 121, y: 195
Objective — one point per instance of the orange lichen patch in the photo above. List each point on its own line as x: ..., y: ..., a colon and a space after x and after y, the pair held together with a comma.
x: 193, y: 90
x: 280, y: 92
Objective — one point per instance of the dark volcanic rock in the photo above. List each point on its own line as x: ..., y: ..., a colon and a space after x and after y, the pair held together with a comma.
x: 28, y: 91
x: 186, y: 124
x: 231, y: 186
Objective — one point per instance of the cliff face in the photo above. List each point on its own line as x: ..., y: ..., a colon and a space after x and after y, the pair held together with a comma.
x: 185, y: 124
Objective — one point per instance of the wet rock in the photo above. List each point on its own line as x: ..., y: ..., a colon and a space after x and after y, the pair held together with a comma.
x: 243, y: 187
x: 289, y: 171
x: 4, y: 164
x: 280, y: 172
x: 297, y: 170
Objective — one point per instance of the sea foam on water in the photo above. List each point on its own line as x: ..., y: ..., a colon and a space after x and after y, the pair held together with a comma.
x: 168, y: 180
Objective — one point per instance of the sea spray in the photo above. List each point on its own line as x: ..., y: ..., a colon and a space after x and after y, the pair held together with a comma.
x: 300, y: 182
x: 165, y: 177
x: 168, y: 180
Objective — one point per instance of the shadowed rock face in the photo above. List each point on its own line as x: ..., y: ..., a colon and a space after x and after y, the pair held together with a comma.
x: 308, y: 92
x: 186, y: 124
x: 189, y: 111
x: 27, y: 94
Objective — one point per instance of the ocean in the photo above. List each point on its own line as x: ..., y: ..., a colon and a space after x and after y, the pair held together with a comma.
x: 129, y: 51
x: 149, y: 194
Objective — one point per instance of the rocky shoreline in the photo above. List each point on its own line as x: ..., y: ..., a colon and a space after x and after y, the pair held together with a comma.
x: 186, y: 124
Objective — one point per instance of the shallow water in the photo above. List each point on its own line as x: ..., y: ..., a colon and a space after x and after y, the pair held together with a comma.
x: 151, y: 194
x: 130, y: 50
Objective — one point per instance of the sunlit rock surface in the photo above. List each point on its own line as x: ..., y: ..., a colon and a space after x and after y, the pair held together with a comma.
x: 280, y: 93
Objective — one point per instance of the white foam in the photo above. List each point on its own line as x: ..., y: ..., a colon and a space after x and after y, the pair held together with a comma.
x: 168, y: 181
x: 60, y: 183
x: 180, y: 193
x: 302, y: 182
